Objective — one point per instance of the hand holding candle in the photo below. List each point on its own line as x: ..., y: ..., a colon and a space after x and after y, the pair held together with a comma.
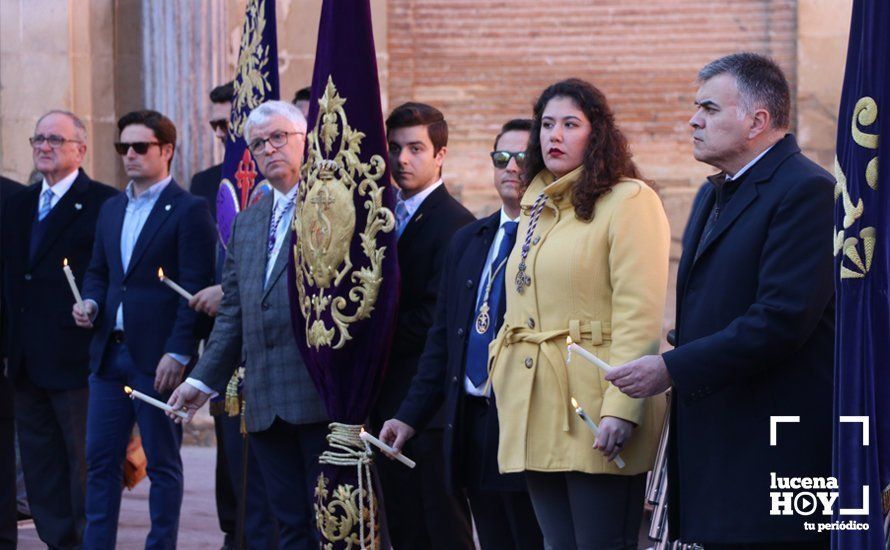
x: 73, y: 284
x: 575, y: 348
x: 594, y: 428
x: 178, y: 289
x: 368, y: 438
x: 154, y: 402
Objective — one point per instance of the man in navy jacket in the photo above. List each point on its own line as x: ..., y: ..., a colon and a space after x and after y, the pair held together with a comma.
x: 755, y: 319
x: 44, y: 226
x: 143, y: 331
x: 453, y: 367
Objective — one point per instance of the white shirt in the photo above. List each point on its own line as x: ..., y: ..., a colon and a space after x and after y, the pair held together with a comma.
x: 412, y: 204
x: 59, y: 189
x: 280, y: 200
x: 748, y: 166
x: 486, y: 273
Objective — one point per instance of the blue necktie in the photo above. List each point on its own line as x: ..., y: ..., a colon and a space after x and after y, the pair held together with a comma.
x: 477, y: 344
x: 402, y: 217
x: 46, y: 204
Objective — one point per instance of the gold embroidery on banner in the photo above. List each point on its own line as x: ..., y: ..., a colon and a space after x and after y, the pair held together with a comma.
x: 338, y: 514
x: 325, y: 224
x: 252, y: 78
x: 865, y: 113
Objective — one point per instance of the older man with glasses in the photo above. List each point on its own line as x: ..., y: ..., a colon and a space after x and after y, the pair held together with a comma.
x: 284, y: 416
x: 143, y: 332
x: 43, y: 227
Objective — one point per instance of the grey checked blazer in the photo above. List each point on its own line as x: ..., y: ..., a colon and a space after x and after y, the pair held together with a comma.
x: 255, y: 323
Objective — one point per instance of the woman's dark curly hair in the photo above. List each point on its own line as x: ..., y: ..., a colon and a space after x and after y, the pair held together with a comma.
x: 607, y: 157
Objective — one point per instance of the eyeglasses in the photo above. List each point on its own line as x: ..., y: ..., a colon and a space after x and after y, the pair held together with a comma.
x: 501, y: 159
x: 140, y: 147
x: 277, y: 140
x: 220, y: 124
x: 54, y: 141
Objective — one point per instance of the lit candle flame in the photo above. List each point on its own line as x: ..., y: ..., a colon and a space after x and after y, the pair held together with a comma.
x: 362, y: 429
x: 161, y: 273
x: 128, y: 390
x: 569, y: 341
x: 575, y: 404
x: 64, y: 262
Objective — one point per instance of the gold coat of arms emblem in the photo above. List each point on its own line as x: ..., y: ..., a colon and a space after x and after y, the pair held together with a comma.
x: 325, y: 224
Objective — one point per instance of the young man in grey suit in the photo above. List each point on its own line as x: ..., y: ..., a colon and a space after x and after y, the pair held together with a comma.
x: 285, y: 418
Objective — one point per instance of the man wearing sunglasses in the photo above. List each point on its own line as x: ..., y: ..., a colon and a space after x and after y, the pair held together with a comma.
x: 284, y: 416
x: 143, y: 331
x: 453, y: 368
x: 206, y: 183
x: 43, y: 226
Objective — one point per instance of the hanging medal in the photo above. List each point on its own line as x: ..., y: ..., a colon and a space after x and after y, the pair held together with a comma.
x: 483, y: 319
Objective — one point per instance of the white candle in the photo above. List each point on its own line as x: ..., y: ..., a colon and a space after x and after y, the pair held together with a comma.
x: 575, y: 348
x: 178, y: 289
x: 594, y: 428
x: 154, y: 402
x: 368, y: 438
x: 71, y: 282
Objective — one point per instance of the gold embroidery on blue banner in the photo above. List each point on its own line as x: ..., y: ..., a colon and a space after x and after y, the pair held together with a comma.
x: 865, y: 113
x: 252, y: 72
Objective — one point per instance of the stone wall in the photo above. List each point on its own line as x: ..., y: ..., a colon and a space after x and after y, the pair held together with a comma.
x: 480, y: 62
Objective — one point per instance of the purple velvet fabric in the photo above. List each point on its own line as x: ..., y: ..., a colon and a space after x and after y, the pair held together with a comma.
x: 348, y: 379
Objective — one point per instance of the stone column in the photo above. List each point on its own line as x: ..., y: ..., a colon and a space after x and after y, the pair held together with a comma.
x: 183, y: 57
x: 823, y: 28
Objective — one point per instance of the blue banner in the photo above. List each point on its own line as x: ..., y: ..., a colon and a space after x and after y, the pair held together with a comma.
x: 256, y: 81
x: 862, y: 258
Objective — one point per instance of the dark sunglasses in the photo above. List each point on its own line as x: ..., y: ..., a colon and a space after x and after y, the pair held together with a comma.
x: 220, y: 124
x: 501, y: 159
x: 140, y: 147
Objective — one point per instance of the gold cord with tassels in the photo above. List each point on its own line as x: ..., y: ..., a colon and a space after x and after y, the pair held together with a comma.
x: 352, y: 451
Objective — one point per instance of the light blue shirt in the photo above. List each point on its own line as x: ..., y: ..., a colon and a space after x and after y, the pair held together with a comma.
x: 138, y: 210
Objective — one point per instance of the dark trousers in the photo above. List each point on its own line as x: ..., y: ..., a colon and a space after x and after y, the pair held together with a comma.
x: 52, y: 434
x: 8, y: 533
x: 421, y: 512
x: 771, y: 546
x: 226, y: 503
x: 503, y: 518
x: 588, y: 511
x: 109, y: 425
x: 260, y: 528
x: 287, y: 455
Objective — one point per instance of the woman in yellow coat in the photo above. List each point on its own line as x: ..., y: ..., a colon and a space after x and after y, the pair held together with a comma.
x: 590, y: 262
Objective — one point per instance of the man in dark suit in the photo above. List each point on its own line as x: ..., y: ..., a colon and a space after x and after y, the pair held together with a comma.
x: 144, y: 331
x: 421, y: 512
x: 8, y: 535
x: 206, y: 183
x: 48, y: 356
x: 453, y: 367
x: 755, y: 319
x: 285, y: 418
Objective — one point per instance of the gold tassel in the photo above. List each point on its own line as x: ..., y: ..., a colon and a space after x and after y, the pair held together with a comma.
x: 243, y: 418
x: 233, y: 407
